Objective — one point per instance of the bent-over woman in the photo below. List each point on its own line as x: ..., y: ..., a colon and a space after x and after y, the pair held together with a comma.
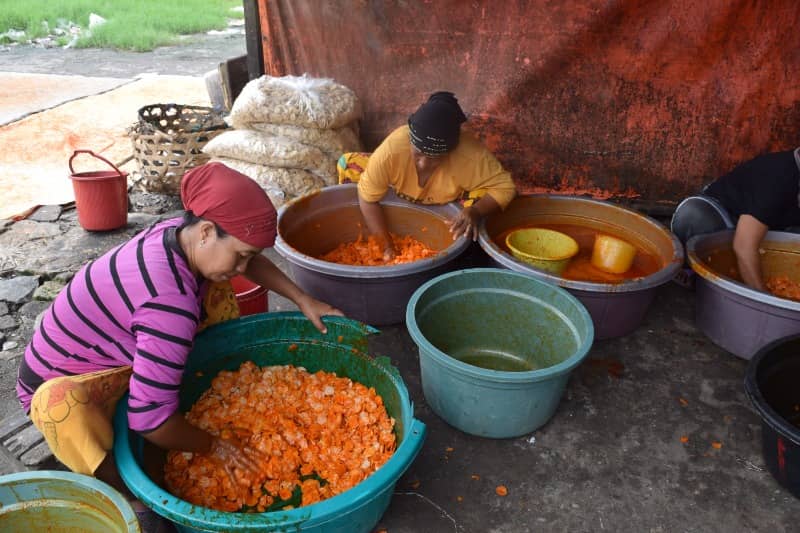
x: 432, y: 161
x: 127, y: 321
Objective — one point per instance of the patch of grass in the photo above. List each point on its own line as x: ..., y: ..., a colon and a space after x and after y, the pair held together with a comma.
x: 131, y: 24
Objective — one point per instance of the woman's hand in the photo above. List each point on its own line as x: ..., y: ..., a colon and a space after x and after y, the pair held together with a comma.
x: 176, y: 433
x: 376, y: 223
x: 314, y: 310
x: 232, y: 454
x: 465, y: 224
x: 388, y: 251
x: 264, y: 272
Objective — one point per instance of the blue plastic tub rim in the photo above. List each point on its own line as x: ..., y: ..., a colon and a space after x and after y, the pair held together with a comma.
x: 195, y: 516
x: 189, y: 515
x: 499, y: 376
x: 86, y: 482
x: 751, y: 387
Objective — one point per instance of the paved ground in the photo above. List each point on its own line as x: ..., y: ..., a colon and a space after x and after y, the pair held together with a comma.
x: 199, y: 54
x: 23, y: 93
x: 33, y: 164
x: 611, y: 459
x: 34, y: 167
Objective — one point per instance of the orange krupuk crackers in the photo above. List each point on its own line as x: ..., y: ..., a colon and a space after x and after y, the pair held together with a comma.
x: 369, y: 252
x: 318, y: 435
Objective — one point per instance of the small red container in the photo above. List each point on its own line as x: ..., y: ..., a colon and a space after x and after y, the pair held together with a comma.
x: 252, y: 298
x: 101, y: 196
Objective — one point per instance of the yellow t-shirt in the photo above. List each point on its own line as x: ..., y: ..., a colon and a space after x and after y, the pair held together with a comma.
x: 469, y: 167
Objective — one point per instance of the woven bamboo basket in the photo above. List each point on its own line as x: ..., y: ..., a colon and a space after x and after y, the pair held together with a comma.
x: 168, y: 140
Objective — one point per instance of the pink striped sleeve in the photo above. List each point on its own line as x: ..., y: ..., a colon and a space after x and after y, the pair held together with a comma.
x: 164, y: 327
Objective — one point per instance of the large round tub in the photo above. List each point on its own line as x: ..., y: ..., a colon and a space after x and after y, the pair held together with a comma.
x: 616, y: 308
x: 51, y: 500
x: 734, y: 316
x: 496, y: 348
x: 315, y: 224
x: 280, y: 339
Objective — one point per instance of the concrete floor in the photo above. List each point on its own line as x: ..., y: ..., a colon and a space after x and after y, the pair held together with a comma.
x: 611, y: 459
x: 33, y: 164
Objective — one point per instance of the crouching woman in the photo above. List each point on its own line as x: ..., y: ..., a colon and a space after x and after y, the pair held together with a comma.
x: 127, y: 321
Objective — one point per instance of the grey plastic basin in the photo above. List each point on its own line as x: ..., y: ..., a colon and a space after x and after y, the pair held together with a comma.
x: 616, y: 308
x: 734, y: 316
x: 315, y: 224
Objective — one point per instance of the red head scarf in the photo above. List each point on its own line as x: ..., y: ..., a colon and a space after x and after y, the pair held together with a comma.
x: 232, y: 200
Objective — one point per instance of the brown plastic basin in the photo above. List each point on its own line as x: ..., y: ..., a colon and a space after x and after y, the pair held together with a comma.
x: 315, y: 224
x: 616, y: 308
x: 740, y: 319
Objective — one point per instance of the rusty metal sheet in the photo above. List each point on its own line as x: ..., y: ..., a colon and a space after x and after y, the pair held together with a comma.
x: 635, y: 99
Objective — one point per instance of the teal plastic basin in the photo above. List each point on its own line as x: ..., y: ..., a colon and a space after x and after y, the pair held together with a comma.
x: 48, y: 500
x: 510, y: 320
x: 266, y: 340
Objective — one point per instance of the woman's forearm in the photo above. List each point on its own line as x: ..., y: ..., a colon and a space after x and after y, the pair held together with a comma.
x: 486, y: 206
x: 376, y: 220
x: 749, y: 264
x: 746, y: 242
x: 178, y: 434
x: 264, y: 272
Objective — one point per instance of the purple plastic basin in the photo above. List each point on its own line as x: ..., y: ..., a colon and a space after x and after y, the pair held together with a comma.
x: 734, y: 316
x: 616, y: 308
x: 315, y: 224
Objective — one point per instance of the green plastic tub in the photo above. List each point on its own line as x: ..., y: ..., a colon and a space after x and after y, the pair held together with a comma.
x: 48, y: 500
x: 496, y: 348
x: 266, y: 340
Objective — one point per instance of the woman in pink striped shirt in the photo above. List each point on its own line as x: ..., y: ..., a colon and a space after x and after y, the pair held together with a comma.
x: 127, y: 321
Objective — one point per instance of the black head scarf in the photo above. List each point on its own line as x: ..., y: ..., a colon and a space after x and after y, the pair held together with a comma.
x: 435, y: 127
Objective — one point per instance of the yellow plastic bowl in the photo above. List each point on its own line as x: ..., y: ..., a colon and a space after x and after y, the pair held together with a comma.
x: 543, y: 248
x: 612, y: 255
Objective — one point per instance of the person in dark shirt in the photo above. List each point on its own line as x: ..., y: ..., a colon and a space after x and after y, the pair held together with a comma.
x: 757, y: 196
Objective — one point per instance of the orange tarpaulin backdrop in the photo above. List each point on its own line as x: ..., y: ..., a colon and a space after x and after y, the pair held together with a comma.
x: 636, y: 98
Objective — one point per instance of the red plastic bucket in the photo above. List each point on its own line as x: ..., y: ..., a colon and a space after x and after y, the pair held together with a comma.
x: 252, y: 298
x: 101, y: 196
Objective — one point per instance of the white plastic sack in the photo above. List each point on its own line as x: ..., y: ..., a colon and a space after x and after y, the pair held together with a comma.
x: 333, y: 142
x: 281, y: 184
x: 327, y: 172
x: 276, y: 195
x: 298, y: 100
x: 264, y: 149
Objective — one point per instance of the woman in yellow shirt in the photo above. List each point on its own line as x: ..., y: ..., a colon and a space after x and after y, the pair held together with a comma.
x: 431, y: 161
